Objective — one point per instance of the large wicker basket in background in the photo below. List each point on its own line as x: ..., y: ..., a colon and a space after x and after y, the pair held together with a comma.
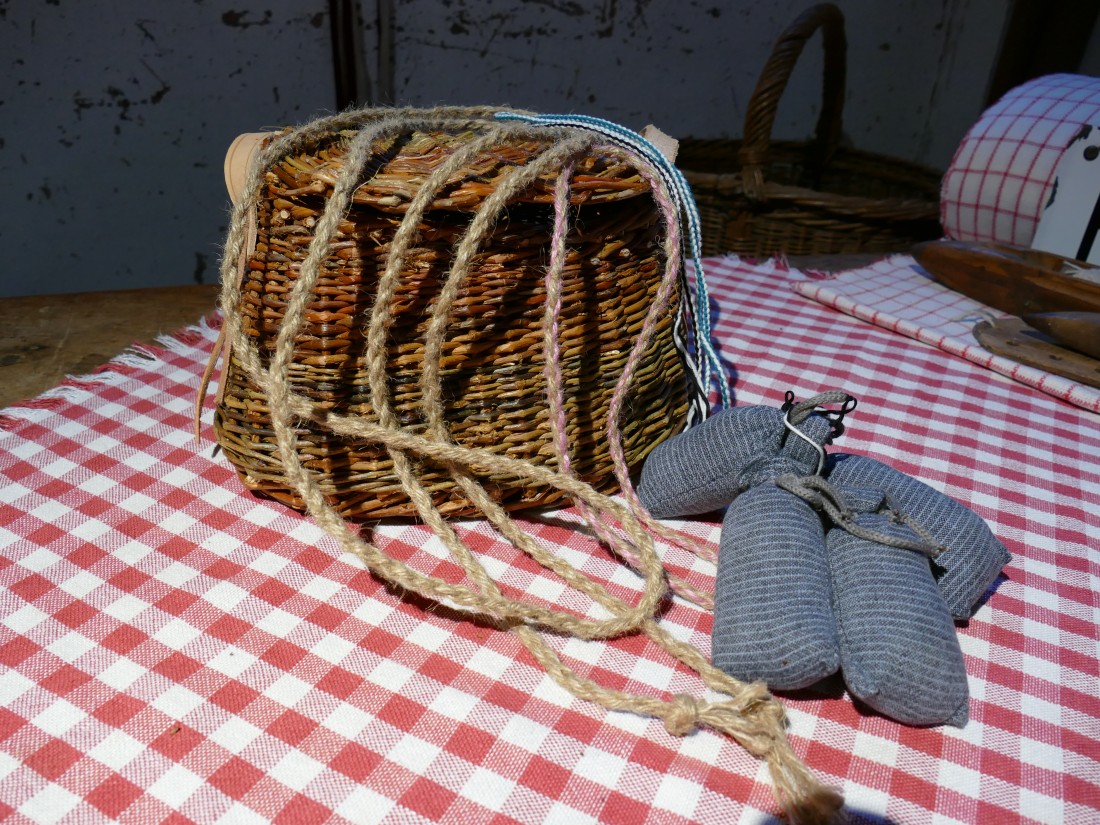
x: 759, y: 197
x: 492, y: 362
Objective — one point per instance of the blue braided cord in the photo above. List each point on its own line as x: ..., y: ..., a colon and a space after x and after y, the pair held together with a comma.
x: 681, y: 193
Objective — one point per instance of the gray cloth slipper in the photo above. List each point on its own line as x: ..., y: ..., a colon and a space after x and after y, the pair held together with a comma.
x: 972, y: 557
x: 898, y: 650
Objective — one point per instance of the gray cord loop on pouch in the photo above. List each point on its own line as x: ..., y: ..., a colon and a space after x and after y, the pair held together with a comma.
x: 830, y: 501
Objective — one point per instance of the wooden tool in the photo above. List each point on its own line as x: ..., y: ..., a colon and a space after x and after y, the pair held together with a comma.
x: 1079, y: 331
x: 1012, y: 279
x: 1014, y: 339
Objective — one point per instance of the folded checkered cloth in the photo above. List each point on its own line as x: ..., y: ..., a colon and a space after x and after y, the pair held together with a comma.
x: 898, y: 295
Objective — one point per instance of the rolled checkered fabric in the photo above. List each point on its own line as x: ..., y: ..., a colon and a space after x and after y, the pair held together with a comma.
x: 972, y: 557
x: 898, y: 650
x: 1000, y: 179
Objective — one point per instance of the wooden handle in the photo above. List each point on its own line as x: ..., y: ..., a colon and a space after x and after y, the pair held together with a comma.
x: 238, y: 157
x: 1080, y: 331
x: 1012, y: 279
x: 1014, y: 339
x: 760, y: 117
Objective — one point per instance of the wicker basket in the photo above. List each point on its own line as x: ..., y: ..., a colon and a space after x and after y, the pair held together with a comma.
x: 492, y: 361
x: 759, y: 197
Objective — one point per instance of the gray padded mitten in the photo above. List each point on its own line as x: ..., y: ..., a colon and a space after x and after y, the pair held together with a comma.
x: 898, y: 649
x: 773, y: 619
x: 973, y: 557
x: 705, y: 468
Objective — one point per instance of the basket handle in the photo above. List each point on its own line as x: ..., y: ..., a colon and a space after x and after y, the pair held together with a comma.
x: 773, y: 81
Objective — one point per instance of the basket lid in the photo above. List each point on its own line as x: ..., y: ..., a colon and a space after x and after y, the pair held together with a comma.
x: 602, y: 176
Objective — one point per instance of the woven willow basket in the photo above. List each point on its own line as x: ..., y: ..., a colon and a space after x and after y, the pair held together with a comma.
x: 494, y: 393
x: 759, y: 197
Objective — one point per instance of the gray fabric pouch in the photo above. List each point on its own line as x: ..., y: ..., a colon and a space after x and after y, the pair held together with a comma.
x: 773, y: 620
x: 898, y: 650
x: 809, y: 581
x: 701, y: 470
x: 972, y: 557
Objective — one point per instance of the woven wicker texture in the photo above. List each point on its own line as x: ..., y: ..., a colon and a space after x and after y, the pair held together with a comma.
x: 470, y: 437
x: 494, y: 392
x: 760, y: 197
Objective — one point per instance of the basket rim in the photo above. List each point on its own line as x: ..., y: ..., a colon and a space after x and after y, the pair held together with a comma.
x: 879, y: 166
x: 605, y: 175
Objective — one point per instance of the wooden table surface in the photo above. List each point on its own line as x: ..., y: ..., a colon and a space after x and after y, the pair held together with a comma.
x: 44, y: 338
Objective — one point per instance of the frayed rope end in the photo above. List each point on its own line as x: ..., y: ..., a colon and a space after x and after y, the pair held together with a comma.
x: 757, y: 721
x: 804, y: 799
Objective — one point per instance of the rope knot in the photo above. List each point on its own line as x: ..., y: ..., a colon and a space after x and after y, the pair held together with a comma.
x: 753, y: 717
x: 758, y: 728
x: 682, y: 716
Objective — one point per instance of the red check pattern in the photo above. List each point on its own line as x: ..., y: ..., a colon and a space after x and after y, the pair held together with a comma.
x: 176, y: 650
x: 898, y: 295
x: 1001, y: 176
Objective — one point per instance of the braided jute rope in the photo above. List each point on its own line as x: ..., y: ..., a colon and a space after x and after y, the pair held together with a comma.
x: 750, y: 715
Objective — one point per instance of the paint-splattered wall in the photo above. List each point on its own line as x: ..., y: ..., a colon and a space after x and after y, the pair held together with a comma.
x: 114, y: 120
x: 918, y: 70
x: 115, y: 116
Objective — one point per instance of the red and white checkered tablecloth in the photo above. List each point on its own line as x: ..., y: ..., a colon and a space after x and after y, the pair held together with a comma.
x: 176, y: 650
